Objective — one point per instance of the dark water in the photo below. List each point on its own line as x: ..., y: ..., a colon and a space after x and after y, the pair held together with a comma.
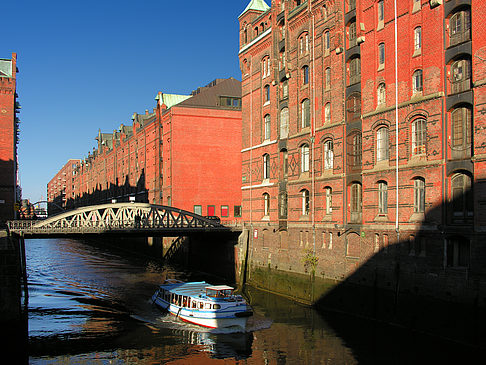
x: 90, y: 305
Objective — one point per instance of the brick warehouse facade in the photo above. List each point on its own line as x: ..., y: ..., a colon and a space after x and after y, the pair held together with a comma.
x: 9, y: 107
x: 320, y: 103
x: 186, y: 154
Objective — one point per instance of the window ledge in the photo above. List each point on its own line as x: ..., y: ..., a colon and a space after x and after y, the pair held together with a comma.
x: 381, y: 67
x: 327, y: 217
x: 417, y: 52
x: 382, y: 218
x: 266, y: 103
x: 417, y: 217
x: 266, y: 218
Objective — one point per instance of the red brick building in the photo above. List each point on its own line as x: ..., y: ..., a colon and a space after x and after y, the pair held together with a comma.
x: 321, y: 96
x: 186, y: 154
x: 9, y: 107
x: 62, y: 187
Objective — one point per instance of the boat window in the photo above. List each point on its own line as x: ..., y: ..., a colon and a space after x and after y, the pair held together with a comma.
x: 201, y: 305
x: 216, y: 306
x: 184, y: 301
x: 208, y: 305
x: 194, y: 304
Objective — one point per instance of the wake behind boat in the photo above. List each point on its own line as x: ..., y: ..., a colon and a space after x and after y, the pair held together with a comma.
x: 212, y: 306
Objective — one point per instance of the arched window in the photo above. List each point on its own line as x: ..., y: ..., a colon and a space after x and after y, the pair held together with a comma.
x: 382, y: 144
x: 304, y: 158
x: 305, y: 201
x: 327, y: 41
x: 267, y: 127
x: 381, y: 55
x: 284, y: 85
x: 417, y: 81
x: 460, y: 27
x: 419, y: 195
x: 461, y: 128
x: 266, y: 166
x: 266, y: 204
x: 328, y: 195
x: 328, y: 154
x: 305, y: 75
x: 354, y: 67
x: 355, y: 201
x: 354, y: 150
x: 284, y: 123
x: 353, y: 107
x: 352, y: 34
x: 461, y: 196
x: 284, y: 155
x: 266, y: 93
x: 417, y: 39
x: 283, y: 205
x: 305, y: 113
x: 327, y: 113
x: 382, y: 197
x: 460, y: 76
x: 381, y: 94
x: 265, y: 67
x: 328, y: 78
x: 419, y: 136
x: 304, y: 43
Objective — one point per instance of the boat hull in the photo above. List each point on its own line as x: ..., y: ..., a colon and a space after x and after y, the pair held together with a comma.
x: 208, y: 319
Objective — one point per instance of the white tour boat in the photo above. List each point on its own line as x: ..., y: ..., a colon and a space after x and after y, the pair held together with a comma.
x: 212, y: 306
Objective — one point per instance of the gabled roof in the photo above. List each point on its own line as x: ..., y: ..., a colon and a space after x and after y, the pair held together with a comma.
x: 170, y: 99
x: 209, y: 96
x: 258, y: 5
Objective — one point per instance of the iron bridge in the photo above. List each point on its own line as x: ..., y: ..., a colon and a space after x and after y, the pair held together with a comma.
x: 140, y: 219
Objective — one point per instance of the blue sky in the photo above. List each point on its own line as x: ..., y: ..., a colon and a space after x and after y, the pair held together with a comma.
x: 89, y: 65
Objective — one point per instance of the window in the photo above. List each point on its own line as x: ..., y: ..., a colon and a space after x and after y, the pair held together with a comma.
x: 305, y: 113
x: 285, y: 89
x: 417, y: 81
x: 198, y: 209
x: 224, y: 211
x: 381, y: 94
x: 285, y: 162
x: 328, y: 154
x: 460, y: 27
x: 355, y: 201
x: 327, y: 112
x: 284, y: 123
x: 237, y: 211
x: 211, y: 210
x: 304, y: 158
x: 304, y: 44
x: 382, y: 197
x: 419, y: 136
x: 354, y: 70
x: 267, y: 125
x: 417, y: 39
x: 266, y: 204
x: 265, y: 67
x: 305, y: 202
x: 282, y: 61
x: 352, y: 34
x: 419, y: 195
x: 461, y: 128
x: 353, y: 107
x: 328, y: 194
x: 381, y: 11
x: 327, y: 41
x: 354, y: 150
x: 461, y: 196
x: 266, y: 93
x: 283, y: 205
x: 458, y: 252
x: 305, y: 75
x: 328, y: 78
x: 230, y: 102
x: 460, y: 76
x: 382, y: 144
x: 351, y: 5
x: 266, y: 166
x: 381, y: 55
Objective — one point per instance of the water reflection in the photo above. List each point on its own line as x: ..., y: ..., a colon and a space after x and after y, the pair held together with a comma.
x: 93, y: 305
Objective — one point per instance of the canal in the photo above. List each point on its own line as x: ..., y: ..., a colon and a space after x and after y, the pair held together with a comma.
x: 91, y: 305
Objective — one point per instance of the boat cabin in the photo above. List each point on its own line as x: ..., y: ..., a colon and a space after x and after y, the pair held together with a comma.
x: 219, y: 291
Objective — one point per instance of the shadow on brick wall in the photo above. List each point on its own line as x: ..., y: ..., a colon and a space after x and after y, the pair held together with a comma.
x: 119, y: 192
x: 431, y: 282
x: 7, y: 191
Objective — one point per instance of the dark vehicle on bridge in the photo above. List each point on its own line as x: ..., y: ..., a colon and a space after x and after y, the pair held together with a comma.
x: 213, y: 218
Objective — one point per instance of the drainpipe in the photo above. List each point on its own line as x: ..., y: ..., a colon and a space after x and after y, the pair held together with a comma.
x: 397, y: 227
x: 313, y: 128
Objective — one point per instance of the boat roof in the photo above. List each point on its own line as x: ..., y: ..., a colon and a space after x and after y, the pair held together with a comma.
x: 191, y: 288
x: 220, y: 287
